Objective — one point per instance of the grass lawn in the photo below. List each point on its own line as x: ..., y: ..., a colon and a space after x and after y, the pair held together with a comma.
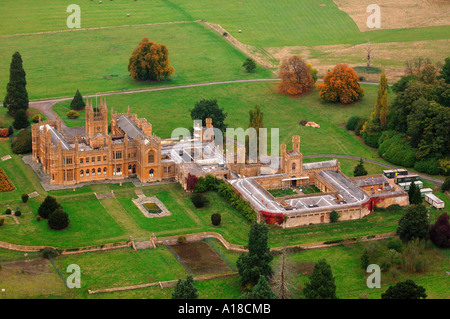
x: 282, y: 192
x: 237, y: 99
x: 95, y: 61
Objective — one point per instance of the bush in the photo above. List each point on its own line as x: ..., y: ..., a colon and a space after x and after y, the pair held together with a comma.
x: 58, y: 220
x: 2, y: 220
x: 334, y: 216
x: 25, y: 198
x: 77, y: 102
x: 216, y: 218
x: 359, y: 126
x: 391, y: 259
x: 38, y: 218
x: 440, y: 232
x: 22, y: 143
x: 371, y: 134
x: 181, y: 239
x: 395, y: 244
x: 20, y: 120
x: 446, y: 185
x: 8, y: 211
x: 49, y: 252
x: 429, y: 166
x: 36, y: 118
x: 352, y: 122
x: 414, y: 223
x: 4, y: 132
x: 398, y: 151
x: 249, y: 65
x: 199, y: 200
x: 48, y: 206
x: 17, y: 213
x: 72, y: 114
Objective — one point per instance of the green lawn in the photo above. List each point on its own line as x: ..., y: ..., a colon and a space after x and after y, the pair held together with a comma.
x: 237, y: 99
x: 95, y: 61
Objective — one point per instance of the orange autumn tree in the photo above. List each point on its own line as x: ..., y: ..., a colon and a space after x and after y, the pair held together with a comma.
x: 340, y: 85
x: 150, y: 61
x: 296, y: 78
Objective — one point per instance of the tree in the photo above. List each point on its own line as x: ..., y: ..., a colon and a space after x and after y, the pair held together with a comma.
x: 199, y: 200
x: 340, y: 85
x: 261, y: 290
x: 150, y: 61
x: 407, y: 289
x: 446, y: 185
x: 440, y: 232
x: 205, y: 108
x: 445, y: 71
x: 369, y: 50
x: 414, y: 194
x: 296, y: 78
x: 191, y: 182
x: 185, y: 289
x: 22, y: 142
x: 334, y: 216
x: 249, y: 65
x: 284, y: 275
x: 58, y: 220
x: 256, y: 121
x: 48, y: 206
x: 77, y: 102
x: 321, y: 284
x: 216, y: 218
x: 365, y: 262
x: 414, y: 223
x: 20, y: 119
x: 256, y: 262
x: 16, y: 93
x: 360, y: 170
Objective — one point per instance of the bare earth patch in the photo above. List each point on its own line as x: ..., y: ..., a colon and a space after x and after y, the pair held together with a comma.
x: 399, y: 14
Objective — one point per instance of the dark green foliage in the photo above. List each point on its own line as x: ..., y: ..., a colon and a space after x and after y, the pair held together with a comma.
x: 25, y: 198
x: 216, y: 218
x: 249, y: 65
x: 48, y: 206
x: 16, y: 93
x: 204, y: 109
x: 359, y: 126
x: 199, y: 200
x: 446, y: 185
x: 10, y: 130
x: 352, y: 122
x: 365, y: 262
x: 321, y: 284
x: 185, y: 289
x: 407, y: 289
x: 397, y: 150
x: 8, y: 211
x: 440, y: 232
x: 22, y: 142
x: 17, y: 213
x: 20, y: 120
x: 226, y: 191
x: 261, y: 290
x: 77, y: 102
x: 334, y: 216
x: 372, y: 133
x: 256, y: 262
x: 58, y: 220
x: 391, y: 258
x: 414, y: 194
x: 414, y: 223
x: 429, y: 166
x: 360, y: 169
x: 445, y: 71
x: 395, y: 244
x: 208, y: 183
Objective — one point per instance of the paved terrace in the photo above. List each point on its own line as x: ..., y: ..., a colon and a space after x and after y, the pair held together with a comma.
x: 261, y: 199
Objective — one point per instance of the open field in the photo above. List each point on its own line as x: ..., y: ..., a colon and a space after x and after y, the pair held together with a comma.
x: 237, y: 99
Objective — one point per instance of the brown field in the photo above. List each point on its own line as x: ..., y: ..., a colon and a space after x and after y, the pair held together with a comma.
x: 398, y: 14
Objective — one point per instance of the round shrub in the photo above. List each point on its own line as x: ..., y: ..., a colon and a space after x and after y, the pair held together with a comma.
x: 429, y: 166
x: 199, y: 200
x: 49, y: 252
x: 17, y: 213
x: 334, y: 216
x: 35, y: 118
x: 2, y: 220
x: 351, y: 123
x: 22, y: 143
x: 48, y: 206
x: 72, y: 114
x: 38, y: 218
x: 8, y: 211
x: 181, y: 239
x: 58, y: 220
x: 216, y: 218
x: 395, y: 244
x: 359, y: 126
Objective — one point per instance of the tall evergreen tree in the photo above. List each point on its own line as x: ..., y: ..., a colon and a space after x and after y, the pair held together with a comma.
x: 256, y: 262
x: 16, y: 93
x: 77, y: 102
x: 321, y: 284
x: 20, y: 119
x: 256, y: 121
x: 414, y: 223
x: 261, y: 290
x: 414, y: 194
x: 360, y: 169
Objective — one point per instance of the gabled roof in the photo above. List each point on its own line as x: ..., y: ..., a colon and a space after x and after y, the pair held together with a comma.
x: 129, y: 127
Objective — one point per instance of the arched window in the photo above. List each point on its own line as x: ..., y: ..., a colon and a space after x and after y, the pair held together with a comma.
x: 82, y: 173
x: 129, y: 168
x: 151, y: 157
x: 87, y: 173
x: 151, y: 172
x: 93, y: 172
x: 104, y: 170
x: 293, y: 166
x: 99, y: 171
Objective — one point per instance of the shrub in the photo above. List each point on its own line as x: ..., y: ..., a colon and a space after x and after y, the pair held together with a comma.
x: 216, y: 218
x: 25, y: 198
x: 444, y: 166
x: 22, y: 143
x: 414, y: 255
x: 405, y: 290
x: 8, y: 211
x: 21, y: 120
x: 391, y: 259
x: 58, y: 220
x: 77, y: 102
x: 181, y: 239
x: 4, y: 132
x: 49, y: 252
x: 5, y: 183
x: 359, y: 126
x: 199, y: 200
x: 38, y: 218
x: 395, y: 244
x: 249, y: 65
x: 429, y: 166
x: 414, y: 223
x: 48, y: 206
x: 352, y: 122
x: 72, y: 114
x: 36, y: 118
x: 17, y: 213
x: 334, y: 216
x: 440, y: 232
x: 446, y: 185
x: 2, y: 220
x: 372, y: 133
